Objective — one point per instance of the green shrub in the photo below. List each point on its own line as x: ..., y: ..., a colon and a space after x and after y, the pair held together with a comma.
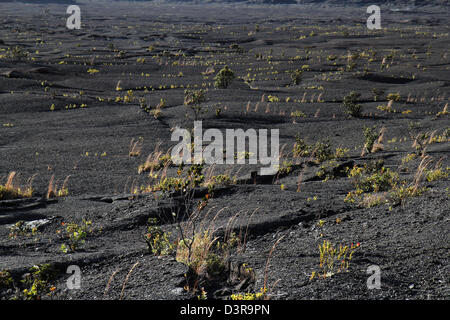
x: 158, y: 162
x: 366, y: 180
x: 285, y: 168
x: 321, y: 151
x: 194, y: 178
x: 224, y: 78
x: 377, y: 185
x: 297, y: 114
x: 341, y: 152
x: 420, y: 138
x: 401, y: 192
x: 194, y: 99
x: 394, y: 97
x: 296, y: 76
x: 194, y: 252
x: 350, y: 104
x: 334, y: 259
x: 17, y: 53
x: 8, y: 193
x: 332, y: 170
x: 220, y: 179
x: 6, y: 281
x: 437, y: 174
x: 370, y: 136
x: 215, y: 265
x: 77, y: 235
x: 301, y: 148
x: 38, y: 282
x: 157, y: 240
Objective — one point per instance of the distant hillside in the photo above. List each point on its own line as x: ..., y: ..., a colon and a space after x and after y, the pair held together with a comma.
x: 43, y: 1
x: 403, y: 3
x: 335, y: 2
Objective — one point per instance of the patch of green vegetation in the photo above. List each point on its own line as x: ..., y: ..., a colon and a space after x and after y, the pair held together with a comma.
x: 157, y: 240
x: 408, y: 158
x: 301, y: 148
x: 159, y: 162
x: 351, y: 105
x: 16, y: 53
x: 92, y: 71
x: 77, y: 235
x: 194, y: 252
x: 6, y: 281
x: 194, y: 100
x: 38, y: 281
x: 273, y: 98
x: 334, y: 259
x: 437, y: 174
x: 320, y: 151
x: 367, y: 180
x: 332, y: 170
x: 21, y: 229
x: 261, y: 295
x: 9, y: 191
x: 394, y: 97
x: 224, y: 78
x: 420, y: 139
x: 296, y: 76
x: 193, y: 178
x: 155, y: 111
x: 386, y: 108
x: 220, y: 179
x: 376, y: 184
x: 297, y: 114
x: 370, y: 136
x: 341, y: 152
x: 206, y: 257
x: 285, y: 168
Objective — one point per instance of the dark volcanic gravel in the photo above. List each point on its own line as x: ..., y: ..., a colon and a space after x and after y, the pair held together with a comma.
x: 61, y: 115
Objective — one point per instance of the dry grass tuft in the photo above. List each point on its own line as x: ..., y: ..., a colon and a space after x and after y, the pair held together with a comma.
x: 379, y: 144
x: 53, y: 190
x: 135, y: 148
x: 11, y: 191
x: 127, y: 278
x: 420, y: 173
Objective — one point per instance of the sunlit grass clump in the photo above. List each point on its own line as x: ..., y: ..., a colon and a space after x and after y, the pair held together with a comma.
x: 10, y: 191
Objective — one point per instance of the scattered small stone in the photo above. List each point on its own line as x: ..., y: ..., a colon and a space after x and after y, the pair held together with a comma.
x: 177, y: 291
x: 38, y: 223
